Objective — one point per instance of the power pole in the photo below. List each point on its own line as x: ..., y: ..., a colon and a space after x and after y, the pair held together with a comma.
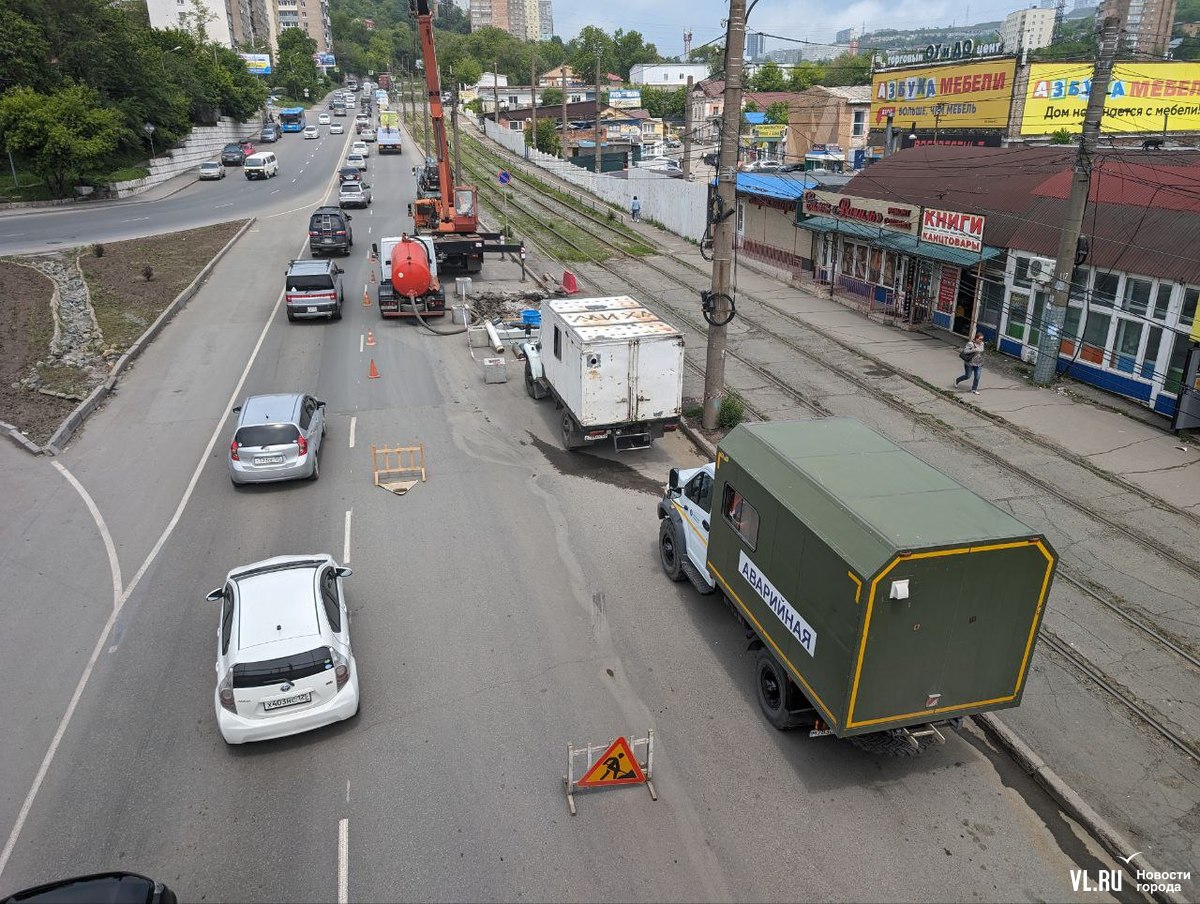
x: 598, y: 167
x: 533, y: 96
x: 687, y: 131
x: 454, y: 129
x: 496, y: 94
x: 564, y: 119
x: 718, y: 306
x: 1068, y: 240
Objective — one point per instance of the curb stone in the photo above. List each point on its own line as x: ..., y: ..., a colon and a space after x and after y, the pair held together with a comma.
x: 57, y: 442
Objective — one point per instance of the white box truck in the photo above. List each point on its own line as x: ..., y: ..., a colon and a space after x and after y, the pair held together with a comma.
x: 614, y: 367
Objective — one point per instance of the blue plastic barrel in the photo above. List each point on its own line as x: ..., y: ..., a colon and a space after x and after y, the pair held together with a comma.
x: 531, y: 317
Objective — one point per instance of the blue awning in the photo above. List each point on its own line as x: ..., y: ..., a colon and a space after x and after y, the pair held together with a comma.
x: 898, y: 241
x: 785, y: 187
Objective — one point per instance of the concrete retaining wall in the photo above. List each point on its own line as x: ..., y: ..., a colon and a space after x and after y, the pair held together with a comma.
x: 676, y: 204
x: 204, y: 143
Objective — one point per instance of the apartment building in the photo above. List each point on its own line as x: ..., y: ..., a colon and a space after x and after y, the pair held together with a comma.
x: 524, y: 19
x: 1027, y: 29
x: 545, y: 19
x: 1148, y: 27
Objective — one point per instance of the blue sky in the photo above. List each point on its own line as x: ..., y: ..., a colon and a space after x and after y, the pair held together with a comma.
x: 663, y: 21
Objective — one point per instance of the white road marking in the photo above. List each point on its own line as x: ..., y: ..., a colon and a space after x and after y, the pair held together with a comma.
x: 119, y: 597
x: 277, y: 191
x: 343, y: 861
x: 353, y: 425
x: 135, y: 220
x: 346, y: 541
x: 122, y: 594
x: 361, y: 340
x: 219, y: 206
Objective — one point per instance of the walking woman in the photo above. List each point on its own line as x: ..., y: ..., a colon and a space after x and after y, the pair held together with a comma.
x: 972, y: 358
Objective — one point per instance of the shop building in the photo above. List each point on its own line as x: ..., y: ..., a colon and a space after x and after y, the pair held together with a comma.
x: 958, y: 239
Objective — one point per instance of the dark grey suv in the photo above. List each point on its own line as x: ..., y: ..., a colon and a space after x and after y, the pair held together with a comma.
x: 329, y: 231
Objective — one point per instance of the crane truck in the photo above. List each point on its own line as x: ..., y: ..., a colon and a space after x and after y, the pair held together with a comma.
x: 451, y: 218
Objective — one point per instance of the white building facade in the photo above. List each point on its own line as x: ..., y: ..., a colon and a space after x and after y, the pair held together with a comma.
x: 1028, y: 29
x: 666, y: 75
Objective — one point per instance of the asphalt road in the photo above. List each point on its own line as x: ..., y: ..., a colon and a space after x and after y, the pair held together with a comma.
x: 511, y: 604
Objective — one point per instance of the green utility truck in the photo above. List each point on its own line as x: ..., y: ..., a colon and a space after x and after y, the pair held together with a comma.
x: 883, y: 598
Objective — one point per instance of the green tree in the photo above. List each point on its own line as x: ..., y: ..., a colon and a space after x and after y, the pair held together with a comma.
x: 664, y: 103
x: 777, y: 112
x: 805, y: 74
x: 590, y: 46
x: 296, y: 70
x: 547, y: 136
x: 711, y: 55
x: 65, y: 136
x: 24, y: 52
x: 848, y: 69
x: 769, y: 77
x: 467, y: 71
x: 630, y: 48
x: 551, y: 96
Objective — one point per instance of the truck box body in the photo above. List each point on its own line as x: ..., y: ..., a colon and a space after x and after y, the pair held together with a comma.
x: 892, y: 594
x: 611, y: 361
x: 387, y: 141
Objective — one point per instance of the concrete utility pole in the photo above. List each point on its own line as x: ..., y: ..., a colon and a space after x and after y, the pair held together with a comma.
x: 687, y: 131
x: 598, y: 167
x: 533, y: 97
x: 564, y: 119
x: 725, y: 220
x: 496, y: 94
x: 1068, y: 240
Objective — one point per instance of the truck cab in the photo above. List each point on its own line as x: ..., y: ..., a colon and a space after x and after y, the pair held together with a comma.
x: 684, y: 514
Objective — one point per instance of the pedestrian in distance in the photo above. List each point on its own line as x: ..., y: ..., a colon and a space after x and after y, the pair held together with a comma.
x: 636, y: 209
x: 972, y: 359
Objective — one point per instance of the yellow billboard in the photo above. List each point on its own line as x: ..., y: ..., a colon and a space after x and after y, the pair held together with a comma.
x: 1142, y: 97
x: 961, y: 96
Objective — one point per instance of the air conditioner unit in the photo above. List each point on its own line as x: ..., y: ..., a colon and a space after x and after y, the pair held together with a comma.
x: 1029, y: 354
x: 1041, y: 270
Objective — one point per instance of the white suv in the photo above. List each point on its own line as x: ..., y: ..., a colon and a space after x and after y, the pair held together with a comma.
x: 284, y: 663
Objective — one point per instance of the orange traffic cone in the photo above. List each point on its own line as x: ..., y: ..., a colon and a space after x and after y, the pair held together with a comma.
x: 569, y: 284
x: 373, y: 373
x: 370, y: 338
x: 366, y: 298
x: 372, y: 277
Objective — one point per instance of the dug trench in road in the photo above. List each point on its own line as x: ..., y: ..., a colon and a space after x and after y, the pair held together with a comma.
x: 494, y: 618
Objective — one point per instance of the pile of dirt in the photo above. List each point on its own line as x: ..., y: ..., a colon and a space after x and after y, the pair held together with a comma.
x: 507, y: 306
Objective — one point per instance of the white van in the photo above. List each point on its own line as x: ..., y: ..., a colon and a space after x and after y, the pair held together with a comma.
x: 262, y: 165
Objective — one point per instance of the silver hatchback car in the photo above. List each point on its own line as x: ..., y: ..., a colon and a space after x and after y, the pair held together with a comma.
x: 278, y: 437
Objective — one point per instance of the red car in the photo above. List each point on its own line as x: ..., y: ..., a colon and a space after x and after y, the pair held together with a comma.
x: 247, y: 147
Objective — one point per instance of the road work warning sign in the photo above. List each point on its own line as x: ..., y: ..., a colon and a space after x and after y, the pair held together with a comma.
x: 616, y: 766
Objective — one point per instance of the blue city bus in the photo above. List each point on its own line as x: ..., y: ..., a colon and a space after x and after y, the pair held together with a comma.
x: 291, y: 119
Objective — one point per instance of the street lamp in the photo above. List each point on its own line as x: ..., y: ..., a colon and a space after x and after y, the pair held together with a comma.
x: 148, y: 128
x: 162, y: 60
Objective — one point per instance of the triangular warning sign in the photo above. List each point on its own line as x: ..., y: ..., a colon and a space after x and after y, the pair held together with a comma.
x: 616, y: 766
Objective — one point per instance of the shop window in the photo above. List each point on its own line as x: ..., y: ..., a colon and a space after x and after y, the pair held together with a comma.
x: 860, y: 261
x: 1018, y: 313
x: 1021, y: 273
x: 889, y: 269
x: 1187, y: 311
x: 1162, y: 300
x: 1070, y: 329
x: 876, y: 265
x: 1175, y: 364
x: 1137, y: 295
x: 1095, y: 337
x: 1149, y: 360
x: 1035, y: 322
x: 1104, y: 291
x: 1079, y: 283
x: 1125, y: 348
x: 993, y: 304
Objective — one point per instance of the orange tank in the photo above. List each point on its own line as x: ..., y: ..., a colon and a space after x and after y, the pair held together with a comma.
x: 410, y: 269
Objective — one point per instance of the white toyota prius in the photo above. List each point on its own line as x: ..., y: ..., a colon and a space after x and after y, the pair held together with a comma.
x: 284, y: 663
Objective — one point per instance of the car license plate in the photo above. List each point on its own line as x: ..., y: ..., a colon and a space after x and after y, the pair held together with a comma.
x: 327, y: 240
x: 311, y: 309
x: 281, y: 702
x: 269, y: 460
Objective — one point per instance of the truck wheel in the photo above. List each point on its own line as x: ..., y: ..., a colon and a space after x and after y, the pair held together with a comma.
x: 535, y: 389
x: 670, y: 551
x: 571, y: 439
x: 771, y: 683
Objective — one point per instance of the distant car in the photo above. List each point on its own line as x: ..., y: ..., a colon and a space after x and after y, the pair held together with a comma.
x: 323, y: 119
x: 361, y: 147
x: 368, y: 135
x: 284, y: 661
x: 114, y: 886
x: 211, y: 169
x: 329, y: 231
x: 349, y: 174
x: 269, y: 133
x: 710, y: 158
x: 357, y: 160
x: 233, y: 155
x: 247, y: 147
x: 354, y: 194
x: 764, y: 166
x: 336, y: 128
x: 277, y: 437
x: 674, y: 143
x: 313, y: 288
x: 312, y: 132
x: 363, y: 119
